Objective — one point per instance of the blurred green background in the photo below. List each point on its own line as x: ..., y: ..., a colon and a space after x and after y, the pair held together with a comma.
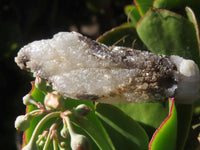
x: 23, y: 21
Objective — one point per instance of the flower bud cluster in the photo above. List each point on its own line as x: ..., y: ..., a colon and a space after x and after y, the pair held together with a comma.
x: 53, y: 106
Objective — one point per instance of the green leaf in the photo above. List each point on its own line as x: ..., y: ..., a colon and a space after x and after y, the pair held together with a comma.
x: 124, y: 131
x: 184, y: 114
x: 192, y: 18
x: 168, y: 4
x: 194, y: 4
x: 122, y: 36
x: 100, y: 137
x: 165, y: 32
x: 132, y: 14
x: 149, y: 115
x: 165, y: 136
x: 143, y: 5
x: 92, y: 125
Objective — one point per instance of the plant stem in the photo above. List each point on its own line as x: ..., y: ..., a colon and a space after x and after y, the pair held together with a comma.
x: 46, y: 145
x: 70, y: 128
x: 55, y: 146
x: 36, y: 112
x: 40, y: 124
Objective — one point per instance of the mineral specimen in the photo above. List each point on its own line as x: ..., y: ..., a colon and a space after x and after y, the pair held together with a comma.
x: 80, y: 68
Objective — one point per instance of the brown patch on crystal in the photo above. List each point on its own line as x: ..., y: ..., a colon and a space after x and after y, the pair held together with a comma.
x: 86, y: 96
x: 22, y: 62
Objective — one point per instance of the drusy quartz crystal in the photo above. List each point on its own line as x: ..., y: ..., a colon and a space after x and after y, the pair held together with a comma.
x: 80, y: 68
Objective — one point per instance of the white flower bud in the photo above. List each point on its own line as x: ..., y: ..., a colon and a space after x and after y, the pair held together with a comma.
x: 22, y: 123
x: 64, y: 131
x: 54, y: 101
x: 28, y: 100
x: 40, y: 83
x: 82, y: 110
x: 79, y: 142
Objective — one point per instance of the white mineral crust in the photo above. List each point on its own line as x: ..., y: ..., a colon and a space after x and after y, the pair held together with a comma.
x: 188, y: 80
x: 80, y: 68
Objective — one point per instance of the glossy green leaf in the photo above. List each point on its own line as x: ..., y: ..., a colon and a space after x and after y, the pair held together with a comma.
x: 99, y: 136
x: 132, y: 14
x: 168, y: 4
x: 184, y: 114
x: 149, y: 115
x: 122, y: 36
x: 192, y: 18
x: 124, y: 131
x: 143, y: 5
x: 92, y: 125
x: 195, y: 5
x: 165, y: 32
x: 165, y: 136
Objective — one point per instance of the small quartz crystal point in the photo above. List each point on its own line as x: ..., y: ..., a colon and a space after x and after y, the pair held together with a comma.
x: 80, y: 68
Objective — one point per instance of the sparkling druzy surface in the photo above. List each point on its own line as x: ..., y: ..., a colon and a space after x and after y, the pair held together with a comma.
x: 80, y: 68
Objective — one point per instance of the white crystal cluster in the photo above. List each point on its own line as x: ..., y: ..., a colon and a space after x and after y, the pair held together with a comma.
x: 66, y: 64
x: 73, y: 71
x: 188, y: 80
